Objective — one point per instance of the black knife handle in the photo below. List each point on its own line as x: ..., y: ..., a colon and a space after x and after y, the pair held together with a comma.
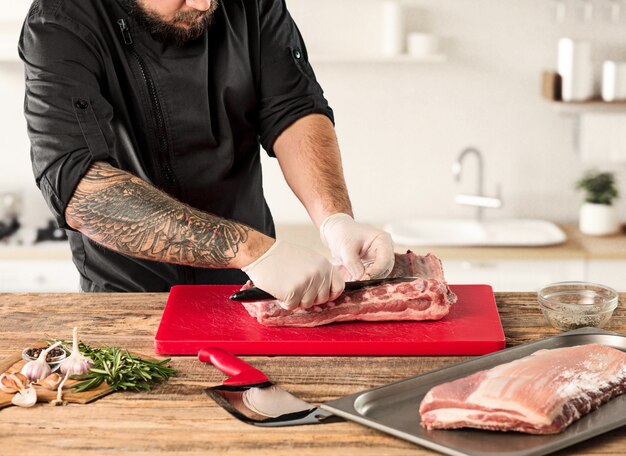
x: 251, y: 294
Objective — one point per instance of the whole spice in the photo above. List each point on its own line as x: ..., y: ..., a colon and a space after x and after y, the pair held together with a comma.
x: 39, y: 368
x: 76, y: 363
x: 53, y: 355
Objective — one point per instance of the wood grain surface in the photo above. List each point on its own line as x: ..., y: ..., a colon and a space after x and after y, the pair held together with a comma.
x: 176, y: 417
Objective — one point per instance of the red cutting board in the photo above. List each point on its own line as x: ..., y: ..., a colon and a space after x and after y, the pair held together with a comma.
x: 198, y: 316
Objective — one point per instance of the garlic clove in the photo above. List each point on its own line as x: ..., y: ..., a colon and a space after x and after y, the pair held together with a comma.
x: 12, y: 383
x: 51, y: 382
x: 7, y: 384
x: 21, y: 380
x: 25, y: 398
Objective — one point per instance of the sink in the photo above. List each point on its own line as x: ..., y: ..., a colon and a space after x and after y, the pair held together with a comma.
x: 467, y: 232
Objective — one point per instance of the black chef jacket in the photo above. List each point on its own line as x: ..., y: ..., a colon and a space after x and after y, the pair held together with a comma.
x: 188, y: 119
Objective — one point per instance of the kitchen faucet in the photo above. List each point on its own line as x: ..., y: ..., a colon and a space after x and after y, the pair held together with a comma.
x: 479, y: 200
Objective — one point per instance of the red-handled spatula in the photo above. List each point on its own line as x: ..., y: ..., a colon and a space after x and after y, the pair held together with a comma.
x: 251, y: 397
x: 240, y: 372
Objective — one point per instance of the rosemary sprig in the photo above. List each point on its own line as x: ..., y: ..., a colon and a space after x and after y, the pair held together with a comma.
x: 120, y: 369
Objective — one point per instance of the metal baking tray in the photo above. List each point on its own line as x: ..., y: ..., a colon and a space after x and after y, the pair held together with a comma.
x: 394, y: 408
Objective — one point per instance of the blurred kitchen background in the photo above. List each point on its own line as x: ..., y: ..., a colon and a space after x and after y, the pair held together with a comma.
x: 472, y: 76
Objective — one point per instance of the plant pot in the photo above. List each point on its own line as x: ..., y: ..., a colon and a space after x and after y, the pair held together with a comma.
x: 598, y: 219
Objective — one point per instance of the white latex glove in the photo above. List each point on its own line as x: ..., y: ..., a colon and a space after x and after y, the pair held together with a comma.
x: 295, y: 276
x: 366, y: 252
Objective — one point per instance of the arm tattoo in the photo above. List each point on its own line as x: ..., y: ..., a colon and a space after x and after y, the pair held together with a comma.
x: 125, y: 214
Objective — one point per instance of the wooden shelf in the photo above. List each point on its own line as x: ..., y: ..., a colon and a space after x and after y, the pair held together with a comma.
x: 350, y: 59
x: 584, y: 107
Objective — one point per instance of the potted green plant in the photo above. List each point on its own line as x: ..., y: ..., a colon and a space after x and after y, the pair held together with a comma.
x: 598, y: 216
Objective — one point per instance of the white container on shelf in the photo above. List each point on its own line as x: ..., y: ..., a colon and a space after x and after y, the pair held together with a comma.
x: 598, y: 219
x: 576, y: 69
x: 392, y: 28
x: 614, y: 81
x: 422, y: 44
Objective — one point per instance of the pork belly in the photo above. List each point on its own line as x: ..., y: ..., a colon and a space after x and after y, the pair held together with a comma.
x: 426, y: 298
x: 540, y: 394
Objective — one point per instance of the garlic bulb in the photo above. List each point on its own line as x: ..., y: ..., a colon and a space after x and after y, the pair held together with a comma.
x: 12, y: 383
x: 39, y: 368
x: 76, y: 363
x: 26, y: 397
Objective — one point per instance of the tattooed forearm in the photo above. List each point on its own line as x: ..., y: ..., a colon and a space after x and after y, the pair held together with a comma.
x: 125, y: 214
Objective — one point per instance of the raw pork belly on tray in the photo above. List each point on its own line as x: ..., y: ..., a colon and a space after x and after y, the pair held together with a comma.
x: 426, y: 298
x: 540, y: 394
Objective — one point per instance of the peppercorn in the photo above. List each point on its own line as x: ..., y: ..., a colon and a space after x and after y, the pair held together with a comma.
x: 52, y: 354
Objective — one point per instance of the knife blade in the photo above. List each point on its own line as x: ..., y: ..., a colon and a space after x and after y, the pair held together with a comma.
x: 256, y: 294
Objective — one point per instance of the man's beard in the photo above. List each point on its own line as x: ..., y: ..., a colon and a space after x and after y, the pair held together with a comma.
x: 183, y: 27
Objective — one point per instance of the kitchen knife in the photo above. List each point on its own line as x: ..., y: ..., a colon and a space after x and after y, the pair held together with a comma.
x: 256, y: 294
x: 251, y: 397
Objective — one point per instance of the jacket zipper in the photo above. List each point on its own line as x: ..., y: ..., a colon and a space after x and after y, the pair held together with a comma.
x: 168, y: 175
x: 166, y: 167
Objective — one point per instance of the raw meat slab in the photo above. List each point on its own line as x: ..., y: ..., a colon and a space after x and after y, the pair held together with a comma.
x: 539, y: 394
x: 197, y: 316
x: 393, y: 408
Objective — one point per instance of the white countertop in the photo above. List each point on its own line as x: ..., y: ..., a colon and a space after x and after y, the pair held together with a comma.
x: 577, y: 246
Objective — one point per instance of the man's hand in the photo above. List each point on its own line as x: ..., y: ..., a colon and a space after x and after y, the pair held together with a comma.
x: 366, y: 252
x: 296, y: 276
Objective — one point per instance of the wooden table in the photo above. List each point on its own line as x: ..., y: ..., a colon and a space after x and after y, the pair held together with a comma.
x: 177, y: 417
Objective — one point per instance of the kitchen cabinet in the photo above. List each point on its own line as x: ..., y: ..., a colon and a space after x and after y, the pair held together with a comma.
x: 21, y: 276
x: 511, y: 275
x: 608, y: 272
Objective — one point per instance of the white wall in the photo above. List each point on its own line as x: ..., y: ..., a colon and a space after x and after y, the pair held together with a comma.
x: 400, y: 126
x: 15, y: 168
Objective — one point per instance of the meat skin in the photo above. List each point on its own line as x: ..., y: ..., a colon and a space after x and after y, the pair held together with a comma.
x: 540, y: 394
x: 426, y: 298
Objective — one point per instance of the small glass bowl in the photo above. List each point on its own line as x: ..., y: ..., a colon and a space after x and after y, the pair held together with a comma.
x: 54, y: 362
x: 572, y: 305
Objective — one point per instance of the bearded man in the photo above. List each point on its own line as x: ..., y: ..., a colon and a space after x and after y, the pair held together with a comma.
x: 146, y: 119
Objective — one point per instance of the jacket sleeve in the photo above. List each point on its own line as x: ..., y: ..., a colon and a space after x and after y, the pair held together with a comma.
x: 68, y: 119
x: 288, y: 87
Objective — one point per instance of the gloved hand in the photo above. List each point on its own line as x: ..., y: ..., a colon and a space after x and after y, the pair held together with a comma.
x: 296, y: 276
x: 366, y: 252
